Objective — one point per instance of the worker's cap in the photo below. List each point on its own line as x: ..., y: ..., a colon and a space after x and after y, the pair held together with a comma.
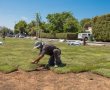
x: 39, y: 44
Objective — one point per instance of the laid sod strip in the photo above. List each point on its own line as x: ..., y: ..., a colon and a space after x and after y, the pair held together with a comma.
x: 103, y: 65
x: 28, y: 67
x: 17, y: 53
x: 102, y: 71
x: 7, y: 68
x: 68, y: 69
x: 80, y: 68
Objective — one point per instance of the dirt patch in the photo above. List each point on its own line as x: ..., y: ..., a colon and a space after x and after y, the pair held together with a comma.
x: 47, y: 80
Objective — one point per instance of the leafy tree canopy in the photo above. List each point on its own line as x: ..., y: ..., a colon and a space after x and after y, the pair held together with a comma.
x: 62, y: 22
x: 85, y: 23
x: 20, y: 27
x: 101, y: 27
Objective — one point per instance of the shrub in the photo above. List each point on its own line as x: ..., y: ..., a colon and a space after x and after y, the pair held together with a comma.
x: 60, y: 35
x: 101, y: 27
x: 72, y: 36
x: 46, y: 35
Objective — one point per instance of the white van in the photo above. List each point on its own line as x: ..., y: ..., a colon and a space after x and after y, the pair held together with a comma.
x: 81, y: 36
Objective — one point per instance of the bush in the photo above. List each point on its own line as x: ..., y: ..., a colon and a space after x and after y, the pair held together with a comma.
x: 69, y: 36
x: 72, y: 36
x: 46, y: 35
x: 101, y: 28
x: 61, y: 35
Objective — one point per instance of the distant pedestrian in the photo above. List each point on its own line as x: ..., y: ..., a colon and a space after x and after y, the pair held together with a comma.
x: 84, y: 41
x: 3, y: 35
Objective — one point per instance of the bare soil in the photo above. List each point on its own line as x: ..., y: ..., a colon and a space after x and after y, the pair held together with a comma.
x: 48, y: 80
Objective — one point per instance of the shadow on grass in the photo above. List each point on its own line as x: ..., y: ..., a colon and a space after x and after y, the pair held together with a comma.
x: 47, y: 67
x: 62, y: 65
x: 5, y: 68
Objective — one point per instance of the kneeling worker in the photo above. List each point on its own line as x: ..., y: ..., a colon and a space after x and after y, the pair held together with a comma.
x: 50, y: 50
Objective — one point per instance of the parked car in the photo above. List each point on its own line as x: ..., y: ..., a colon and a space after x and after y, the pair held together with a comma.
x: 1, y: 43
x: 10, y: 35
x: 21, y: 36
x: 74, y: 42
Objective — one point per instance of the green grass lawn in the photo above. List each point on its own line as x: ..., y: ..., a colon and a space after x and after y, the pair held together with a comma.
x: 18, y: 53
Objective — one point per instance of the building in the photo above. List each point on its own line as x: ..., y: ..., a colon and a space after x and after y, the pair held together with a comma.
x: 89, y: 30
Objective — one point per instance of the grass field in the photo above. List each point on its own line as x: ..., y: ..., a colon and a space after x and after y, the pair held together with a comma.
x: 18, y: 53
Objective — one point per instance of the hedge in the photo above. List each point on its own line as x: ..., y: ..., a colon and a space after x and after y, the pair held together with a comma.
x: 69, y: 36
x: 101, y: 28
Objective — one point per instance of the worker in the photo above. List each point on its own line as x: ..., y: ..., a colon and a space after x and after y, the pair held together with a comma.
x: 50, y: 50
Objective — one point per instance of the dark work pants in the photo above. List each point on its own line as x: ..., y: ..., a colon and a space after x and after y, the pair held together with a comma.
x: 55, y: 58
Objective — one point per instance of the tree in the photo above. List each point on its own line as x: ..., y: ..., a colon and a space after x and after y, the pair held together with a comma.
x: 38, y: 23
x: 71, y: 25
x: 85, y: 23
x: 101, y: 27
x: 62, y: 22
x: 4, y: 31
x: 44, y: 27
x: 31, y: 28
x: 20, y: 27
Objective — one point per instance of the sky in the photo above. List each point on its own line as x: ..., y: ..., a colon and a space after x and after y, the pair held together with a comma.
x: 11, y: 11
